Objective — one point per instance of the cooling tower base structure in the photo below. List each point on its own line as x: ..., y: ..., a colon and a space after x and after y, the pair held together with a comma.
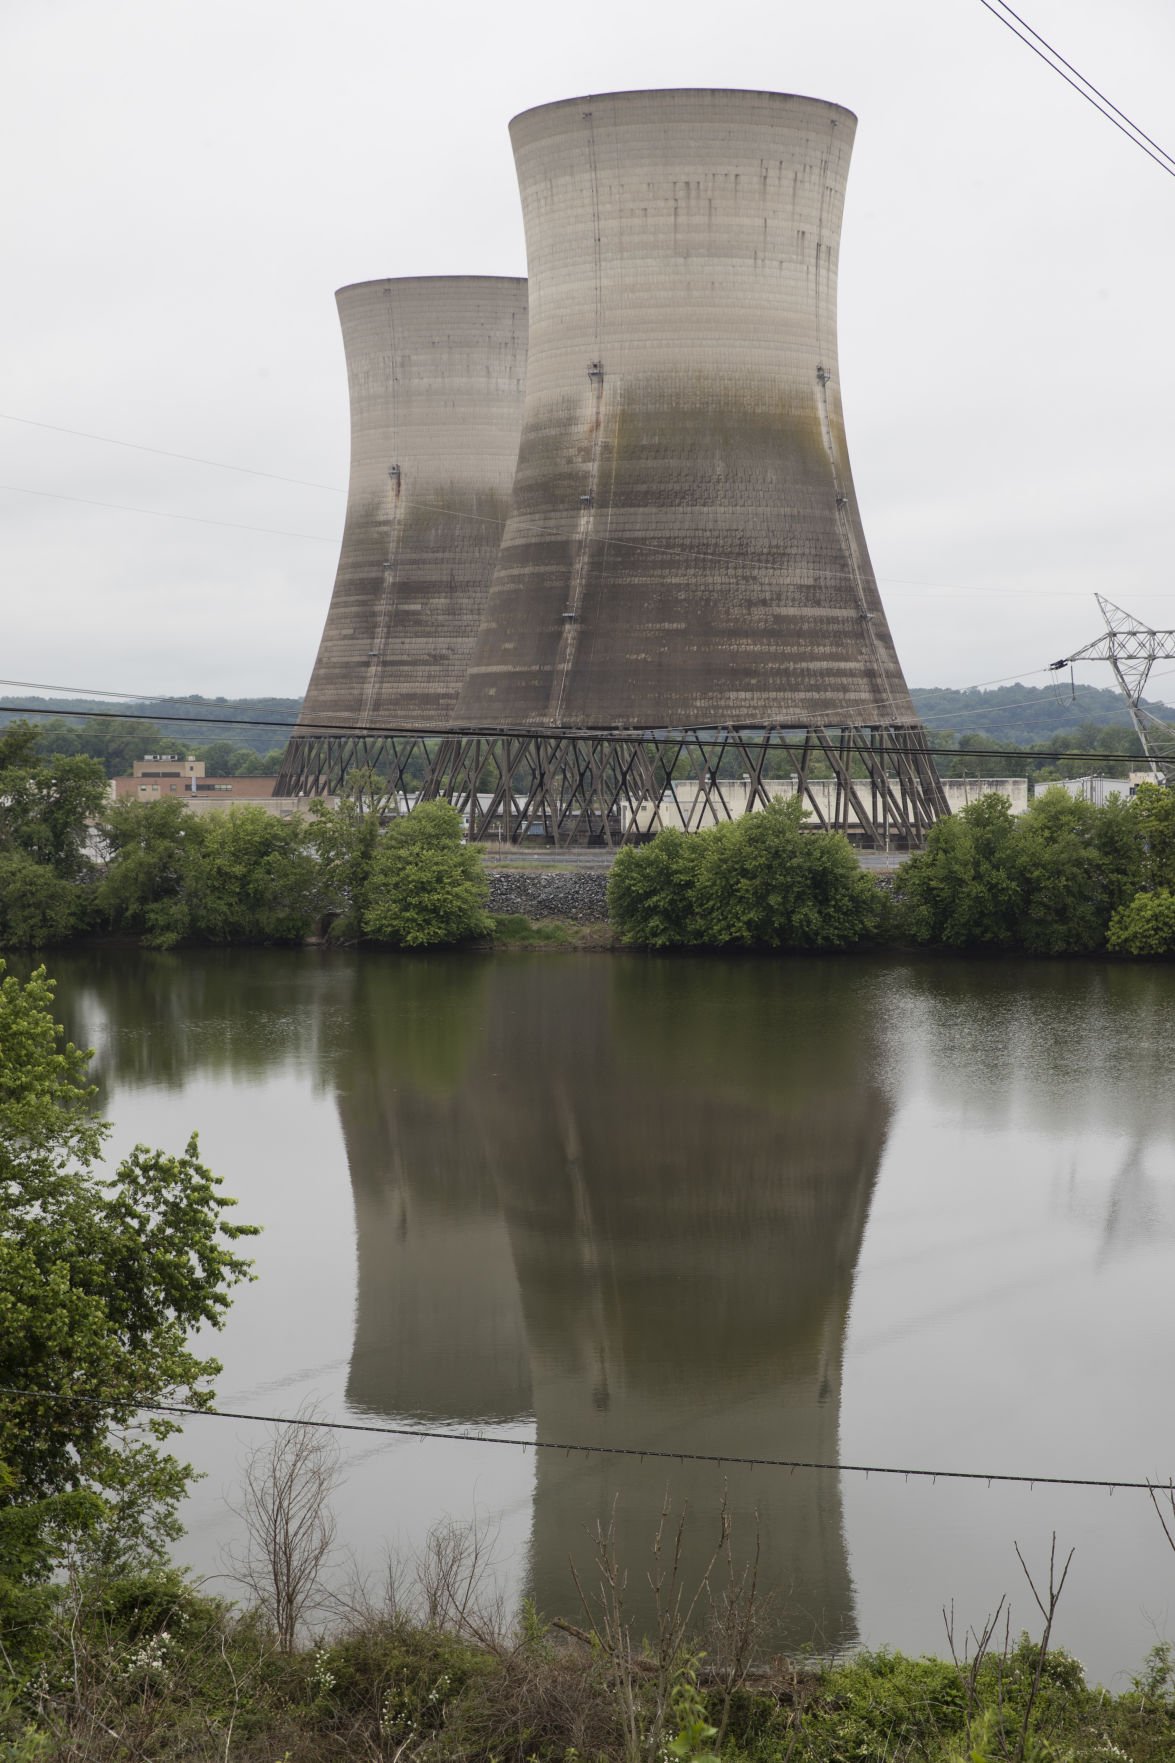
x: 877, y: 785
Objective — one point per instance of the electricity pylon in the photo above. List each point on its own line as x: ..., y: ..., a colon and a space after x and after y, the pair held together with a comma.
x: 1132, y: 648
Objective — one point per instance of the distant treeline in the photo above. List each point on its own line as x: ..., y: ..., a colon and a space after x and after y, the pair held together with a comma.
x: 167, y: 720
x: 1021, y: 716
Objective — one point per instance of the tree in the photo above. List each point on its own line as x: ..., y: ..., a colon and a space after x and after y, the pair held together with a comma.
x: 38, y: 906
x: 152, y: 847
x: 345, y: 839
x: 1145, y: 926
x: 1153, y: 809
x: 427, y: 887
x: 766, y: 881
x: 1074, y: 864
x: 252, y: 878
x: 46, y: 805
x: 763, y: 881
x: 652, y: 891
x: 103, y: 1278
x: 963, y: 889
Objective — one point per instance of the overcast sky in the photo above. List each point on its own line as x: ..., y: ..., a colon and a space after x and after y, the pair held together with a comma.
x: 184, y: 183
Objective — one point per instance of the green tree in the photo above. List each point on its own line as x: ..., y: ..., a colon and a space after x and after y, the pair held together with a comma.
x: 653, y: 889
x: 46, y: 805
x: 1074, y: 864
x: 103, y: 1277
x: 345, y: 839
x: 153, y: 848
x: 963, y: 890
x: 1153, y: 809
x: 251, y: 878
x: 767, y: 881
x: 1144, y: 926
x: 37, y: 906
x: 427, y: 887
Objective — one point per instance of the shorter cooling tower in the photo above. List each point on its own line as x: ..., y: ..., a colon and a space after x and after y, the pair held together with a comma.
x: 436, y: 368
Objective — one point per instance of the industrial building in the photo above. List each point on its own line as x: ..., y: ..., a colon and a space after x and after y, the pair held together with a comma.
x: 683, y: 581
x: 436, y: 368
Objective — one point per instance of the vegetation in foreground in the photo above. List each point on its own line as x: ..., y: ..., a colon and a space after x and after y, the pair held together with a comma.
x: 132, y: 1669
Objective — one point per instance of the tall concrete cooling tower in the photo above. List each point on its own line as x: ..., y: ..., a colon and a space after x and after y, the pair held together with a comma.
x: 684, y: 550
x: 436, y: 367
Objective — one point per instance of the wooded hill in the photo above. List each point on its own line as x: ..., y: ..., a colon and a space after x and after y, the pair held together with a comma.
x: 1020, y: 715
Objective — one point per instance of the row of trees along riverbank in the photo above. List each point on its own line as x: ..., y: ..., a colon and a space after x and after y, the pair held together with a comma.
x: 1065, y: 878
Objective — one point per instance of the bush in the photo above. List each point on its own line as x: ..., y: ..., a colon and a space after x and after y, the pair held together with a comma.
x: 652, y: 891
x: 759, y: 882
x: 1146, y: 926
x: 426, y: 886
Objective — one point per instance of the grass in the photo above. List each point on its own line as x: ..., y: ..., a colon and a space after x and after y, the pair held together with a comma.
x: 512, y: 930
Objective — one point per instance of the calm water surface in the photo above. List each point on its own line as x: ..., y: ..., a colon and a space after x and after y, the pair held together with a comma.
x: 881, y: 1212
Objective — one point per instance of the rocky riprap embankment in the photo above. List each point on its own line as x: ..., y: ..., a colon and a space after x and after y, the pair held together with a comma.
x: 580, y: 897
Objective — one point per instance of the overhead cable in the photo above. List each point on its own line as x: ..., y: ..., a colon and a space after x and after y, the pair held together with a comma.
x: 276, y: 477
x: 167, y: 514
x: 635, y: 735
x: 654, y: 1453
x: 1083, y: 87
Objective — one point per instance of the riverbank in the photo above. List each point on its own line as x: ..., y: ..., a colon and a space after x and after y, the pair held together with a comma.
x: 155, y: 1669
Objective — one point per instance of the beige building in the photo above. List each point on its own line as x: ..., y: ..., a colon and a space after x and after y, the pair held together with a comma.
x: 157, y: 776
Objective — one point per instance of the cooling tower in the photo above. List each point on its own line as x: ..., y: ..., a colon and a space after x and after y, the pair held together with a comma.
x: 684, y: 547
x: 436, y: 368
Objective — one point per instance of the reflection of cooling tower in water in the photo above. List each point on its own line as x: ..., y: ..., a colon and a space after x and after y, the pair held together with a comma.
x: 685, y: 1192
x: 686, y: 1217
x: 438, y: 1325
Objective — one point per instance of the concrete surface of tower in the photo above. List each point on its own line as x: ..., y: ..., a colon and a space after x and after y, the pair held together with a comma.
x: 436, y: 368
x: 684, y: 547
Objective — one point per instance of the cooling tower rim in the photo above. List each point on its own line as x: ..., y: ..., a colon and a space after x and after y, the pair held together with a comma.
x: 653, y: 92
x: 436, y: 281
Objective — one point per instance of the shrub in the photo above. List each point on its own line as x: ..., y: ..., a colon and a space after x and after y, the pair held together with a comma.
x: 1146, y: 926
x: 763, y: 881
x: 652, y: 890
x: 426, y: 886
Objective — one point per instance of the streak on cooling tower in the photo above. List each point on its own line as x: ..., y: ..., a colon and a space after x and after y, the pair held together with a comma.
x: 684, y: 547
x: 436, y: 368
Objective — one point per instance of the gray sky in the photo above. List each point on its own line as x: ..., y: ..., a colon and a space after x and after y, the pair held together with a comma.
x: 184, y: 183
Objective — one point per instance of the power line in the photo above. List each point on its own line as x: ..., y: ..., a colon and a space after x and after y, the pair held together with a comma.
x: 1084, y: 89
x: 1056, y: 54
x: 1046, y: 755
x: 655, y: 1453
x: 166, y: 514
x: 276, y: 477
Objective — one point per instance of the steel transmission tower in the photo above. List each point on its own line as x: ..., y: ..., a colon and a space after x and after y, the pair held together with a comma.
x: 1132, y: 648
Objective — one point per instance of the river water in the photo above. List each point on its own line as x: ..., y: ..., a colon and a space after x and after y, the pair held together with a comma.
x: 906, y: 1213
